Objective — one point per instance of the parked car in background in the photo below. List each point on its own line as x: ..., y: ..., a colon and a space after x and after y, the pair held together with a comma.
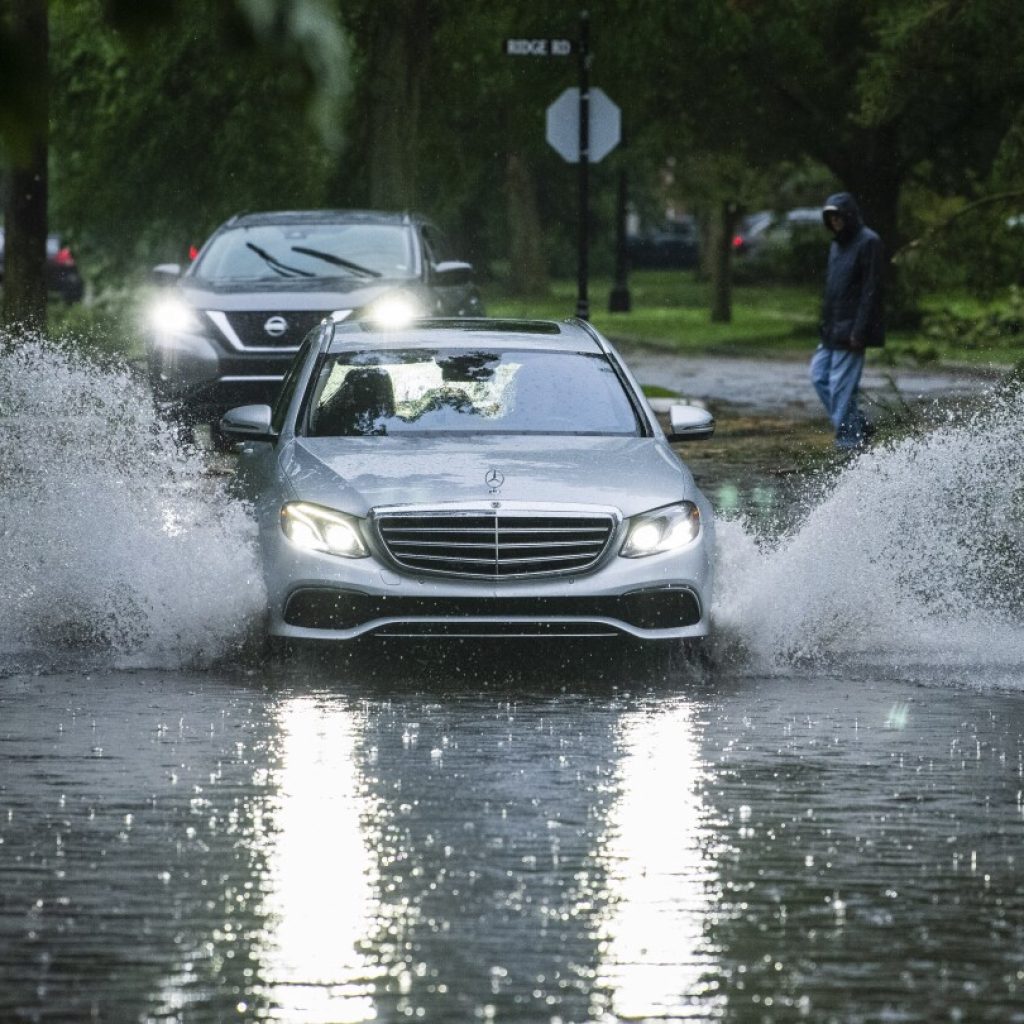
x: 675, y: 245
x: 750, y: 229
x: 62, y: 276
x: 474, y: 478
x: 789, y: 246
x: 225, y: 328
x: 767, y: 231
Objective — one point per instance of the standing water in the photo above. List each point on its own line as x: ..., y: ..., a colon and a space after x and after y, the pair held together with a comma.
x: 826, y: 826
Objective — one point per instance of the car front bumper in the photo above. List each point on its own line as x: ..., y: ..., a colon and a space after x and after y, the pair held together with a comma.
x: 317, y: 596
x: 192, y: 370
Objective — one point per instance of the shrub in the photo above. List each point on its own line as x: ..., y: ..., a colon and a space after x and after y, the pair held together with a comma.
x: 998, y: 329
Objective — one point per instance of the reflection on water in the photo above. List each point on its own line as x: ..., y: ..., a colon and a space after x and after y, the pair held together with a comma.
x: 190, y: 850
x: 655, y: 959
x: 321, y: 875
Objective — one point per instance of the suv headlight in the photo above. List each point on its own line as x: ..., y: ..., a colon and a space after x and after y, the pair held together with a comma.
x: 171, y: 315
x: 664, y: 529
x: 394, y: 311
x: 314, y: 528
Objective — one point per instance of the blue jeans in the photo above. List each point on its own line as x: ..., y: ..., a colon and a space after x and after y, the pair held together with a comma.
x: 835, y: 374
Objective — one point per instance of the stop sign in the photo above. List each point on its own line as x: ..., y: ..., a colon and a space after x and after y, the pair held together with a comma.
x: 563, y: 131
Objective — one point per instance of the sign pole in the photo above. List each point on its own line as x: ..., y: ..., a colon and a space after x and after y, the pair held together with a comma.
x: 619, y: 300
x: 582, y: 302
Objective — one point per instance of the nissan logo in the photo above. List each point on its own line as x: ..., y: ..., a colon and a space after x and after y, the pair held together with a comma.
x: 276, y: 326
x: 494, y: 479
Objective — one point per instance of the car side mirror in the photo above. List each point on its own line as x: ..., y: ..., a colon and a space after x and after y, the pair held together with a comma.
x: 248, y: 423
x: 689, y: 423
x: 165, y: 273
x: 452, y: 272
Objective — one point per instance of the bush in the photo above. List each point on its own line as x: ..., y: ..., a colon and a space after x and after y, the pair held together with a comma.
x: 999, y: 329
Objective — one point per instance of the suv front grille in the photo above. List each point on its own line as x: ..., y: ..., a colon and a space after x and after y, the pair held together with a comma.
x: 495, y: 545
x: 252, y: 333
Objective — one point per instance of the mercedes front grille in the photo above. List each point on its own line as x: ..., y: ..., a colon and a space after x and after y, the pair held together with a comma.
x: 495, y: 545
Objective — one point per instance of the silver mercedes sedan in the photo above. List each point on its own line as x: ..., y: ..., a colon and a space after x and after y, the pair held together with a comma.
x: 474, y: 478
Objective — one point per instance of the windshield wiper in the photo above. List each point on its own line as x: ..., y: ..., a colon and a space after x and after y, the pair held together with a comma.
x: 276, y: 265
x: 337, y: 261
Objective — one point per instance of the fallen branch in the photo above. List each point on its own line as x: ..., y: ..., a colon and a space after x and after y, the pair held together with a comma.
x: 1000, y: 197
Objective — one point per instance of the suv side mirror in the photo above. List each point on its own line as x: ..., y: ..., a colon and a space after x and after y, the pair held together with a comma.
x: 690, y: 423
x: 248, y: 423
x: 165, y: 273
x: 452, y: 272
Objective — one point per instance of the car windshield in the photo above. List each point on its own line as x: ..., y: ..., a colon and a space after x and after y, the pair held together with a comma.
x: 308, y: 252
x: 447, y: 391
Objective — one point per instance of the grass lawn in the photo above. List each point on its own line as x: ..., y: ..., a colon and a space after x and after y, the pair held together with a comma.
x: 671, y: 310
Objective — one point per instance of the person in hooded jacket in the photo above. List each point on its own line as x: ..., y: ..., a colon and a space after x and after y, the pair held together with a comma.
x: 851, y: 316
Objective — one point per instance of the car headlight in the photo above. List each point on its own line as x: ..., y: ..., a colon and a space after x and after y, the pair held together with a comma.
x: 664, y: 529
x: 315, y: 528
x: 171, y: 315
x: 394, y: 311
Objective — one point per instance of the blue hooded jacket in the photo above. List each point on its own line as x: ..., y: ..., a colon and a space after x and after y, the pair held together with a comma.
x: 852, y: 304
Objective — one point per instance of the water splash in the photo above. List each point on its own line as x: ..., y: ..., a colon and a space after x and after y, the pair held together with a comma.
x: 912, y: 556
x: 112, y: 537
x: 117, y: 542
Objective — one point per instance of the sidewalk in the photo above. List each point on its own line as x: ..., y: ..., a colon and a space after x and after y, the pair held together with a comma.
x: 782, y: 388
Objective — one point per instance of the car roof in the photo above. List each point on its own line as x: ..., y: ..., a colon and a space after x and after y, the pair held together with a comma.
x: 322, y: 217
x: 801, y: 213
x: 460, y: 332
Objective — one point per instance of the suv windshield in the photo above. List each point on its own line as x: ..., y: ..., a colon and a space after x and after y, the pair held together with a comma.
x: 421, y: 391
x: 308, y: 251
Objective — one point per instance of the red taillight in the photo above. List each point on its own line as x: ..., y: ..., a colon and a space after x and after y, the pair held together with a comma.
x: 193, y: 252
x: 64, y: 258
x: 737, y: 241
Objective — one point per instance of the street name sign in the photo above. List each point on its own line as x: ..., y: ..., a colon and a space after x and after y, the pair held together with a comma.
x: 563, y: 128
x: 538, y: 47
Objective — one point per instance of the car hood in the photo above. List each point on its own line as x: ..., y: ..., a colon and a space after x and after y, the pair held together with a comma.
x: 336, y: 293
x: 357, y: 474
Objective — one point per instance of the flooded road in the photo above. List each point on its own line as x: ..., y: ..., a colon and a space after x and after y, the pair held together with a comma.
x: 825, y: 823
x: 281, y: 847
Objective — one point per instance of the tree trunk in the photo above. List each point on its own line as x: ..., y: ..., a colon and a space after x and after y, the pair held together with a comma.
x: 527, y: 271
x: 24, y: 285
x: 396, y: 73
x: 723, y: 227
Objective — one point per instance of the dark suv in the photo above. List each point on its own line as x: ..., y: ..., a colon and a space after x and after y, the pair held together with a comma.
x: 224, y: 331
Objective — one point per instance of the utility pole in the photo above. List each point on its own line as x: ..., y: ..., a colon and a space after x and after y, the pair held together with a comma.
x: 583, y: 269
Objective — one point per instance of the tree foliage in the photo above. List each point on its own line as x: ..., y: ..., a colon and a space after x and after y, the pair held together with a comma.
x: 168, y: 118
x: 161, y: 137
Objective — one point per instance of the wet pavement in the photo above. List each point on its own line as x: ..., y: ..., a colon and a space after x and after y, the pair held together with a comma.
x: 823, y: 823
x: 781, y: 387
